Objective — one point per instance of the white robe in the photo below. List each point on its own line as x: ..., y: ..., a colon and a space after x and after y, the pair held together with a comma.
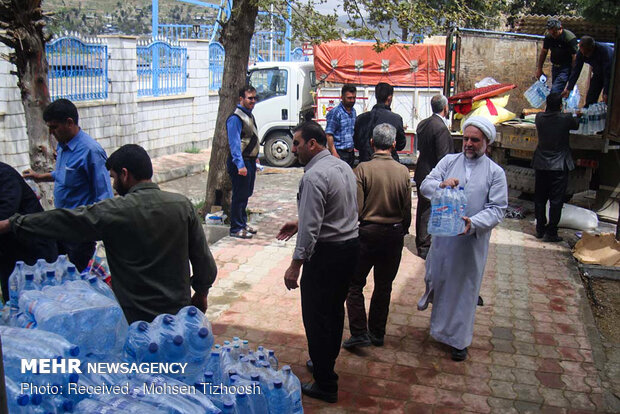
x: 455, y: 265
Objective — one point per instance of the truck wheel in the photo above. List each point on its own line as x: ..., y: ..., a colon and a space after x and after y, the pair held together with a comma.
x: 279, y: 150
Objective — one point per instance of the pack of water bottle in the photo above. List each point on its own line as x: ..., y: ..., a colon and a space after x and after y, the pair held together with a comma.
x: 447, y: 209
x: 18, y: 344
x: 42, y: 273
x: 184, y: 337
x: 235, y: 364
x: 54, y: 297
x: 537, y: 94
x: 593, y: 119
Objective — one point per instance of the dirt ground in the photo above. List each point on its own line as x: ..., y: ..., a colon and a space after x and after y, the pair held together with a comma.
x: 605, y: 303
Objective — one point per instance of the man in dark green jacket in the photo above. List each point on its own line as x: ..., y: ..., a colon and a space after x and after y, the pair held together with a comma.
x: 150, y: 237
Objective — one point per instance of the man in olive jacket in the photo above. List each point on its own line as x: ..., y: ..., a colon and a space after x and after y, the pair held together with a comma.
x: 150, y: 237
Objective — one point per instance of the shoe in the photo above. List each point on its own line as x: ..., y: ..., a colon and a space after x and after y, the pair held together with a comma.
x: 375, y: 340
x: 480, y: 301
x: 241, y: 234
x: 250, y: 229
x: 552, y: 239
x: 313, y: 391
x: 357, y: 341
x: 459, y: 354
x: 539, y: 235
x: 310, y: 366
x: 422, y: 252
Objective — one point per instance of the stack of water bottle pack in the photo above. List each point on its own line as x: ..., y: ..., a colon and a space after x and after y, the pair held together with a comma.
x: 447, y: 209
x: 18, y: 344
x: 593, y: 119
x: 252, y: 376
x: 54, y: 297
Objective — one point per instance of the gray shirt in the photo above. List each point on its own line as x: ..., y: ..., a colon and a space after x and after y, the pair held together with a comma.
x: 327, y: 204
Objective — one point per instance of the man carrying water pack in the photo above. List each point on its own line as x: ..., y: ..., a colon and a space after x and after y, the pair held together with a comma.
x: 455, y: 265
x: 150, y: 236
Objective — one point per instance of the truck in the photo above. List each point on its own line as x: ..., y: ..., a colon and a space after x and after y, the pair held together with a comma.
x: 286, y: 91
x: 472, y: 55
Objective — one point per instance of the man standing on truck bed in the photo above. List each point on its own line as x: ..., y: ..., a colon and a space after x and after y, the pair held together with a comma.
x: 241, y: 163
x: 552, y: 161
x: 380, y: 114
x: 600, y: 57
x: 434, y: 141
x: 563, y: 46
x: 340, y: 124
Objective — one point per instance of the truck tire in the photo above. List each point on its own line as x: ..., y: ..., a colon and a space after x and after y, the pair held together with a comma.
x: 279, y: 150
x: 520, y: 178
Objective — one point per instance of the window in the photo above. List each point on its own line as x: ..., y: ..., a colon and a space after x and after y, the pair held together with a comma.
x: 269, y: 83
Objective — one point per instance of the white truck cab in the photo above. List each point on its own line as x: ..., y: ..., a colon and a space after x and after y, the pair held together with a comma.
x: 284, y: 94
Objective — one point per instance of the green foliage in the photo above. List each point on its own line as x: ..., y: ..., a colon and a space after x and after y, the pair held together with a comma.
x: 192, y: 150
x: 601, y: 11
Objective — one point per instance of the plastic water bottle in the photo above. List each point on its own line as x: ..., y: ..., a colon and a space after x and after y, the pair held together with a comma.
x: 278, y: 399
x: 56, y: 344
x: 214, y: 367
x: 244, y: 405
x: 15, y: 282
x: 16, y: 400
x: 229, y: 408
x: 29, y: 282
x: 50, y: 279
x: 271, y: 358
x: 434, y: 224
x: 293, y: 387
x: 447, y: 209
x: 101, y: 287
x: 138, y: 340
x: 71, y: 273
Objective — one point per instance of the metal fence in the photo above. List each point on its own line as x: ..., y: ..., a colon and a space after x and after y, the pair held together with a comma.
x: 78, y: 69
x: 185, y: 31
x: 216, y: 65
x: 162, y: 69
x: 267, y: 46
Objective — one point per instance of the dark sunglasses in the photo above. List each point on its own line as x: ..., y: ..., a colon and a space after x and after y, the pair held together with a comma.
x: 252, y: 98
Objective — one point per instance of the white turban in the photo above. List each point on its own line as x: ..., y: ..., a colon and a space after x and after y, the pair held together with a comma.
x: 483, y: 124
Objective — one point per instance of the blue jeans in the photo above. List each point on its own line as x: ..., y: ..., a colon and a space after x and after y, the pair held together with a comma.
x: 242, y: 189
x: 559, y: 76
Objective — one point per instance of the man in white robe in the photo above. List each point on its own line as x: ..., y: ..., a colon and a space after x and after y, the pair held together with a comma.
x: 455, y: 265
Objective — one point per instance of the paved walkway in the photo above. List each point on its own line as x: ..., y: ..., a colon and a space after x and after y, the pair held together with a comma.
x: 531, y: 351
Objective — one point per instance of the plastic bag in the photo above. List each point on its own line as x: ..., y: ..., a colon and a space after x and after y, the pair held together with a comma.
x: 573, y: 99
x: 578, y: 218
x: 488, y: 81
x: 493, y: 110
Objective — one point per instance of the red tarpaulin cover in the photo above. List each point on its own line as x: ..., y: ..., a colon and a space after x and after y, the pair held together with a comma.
x: 463, y: 101
x: 398, y: 65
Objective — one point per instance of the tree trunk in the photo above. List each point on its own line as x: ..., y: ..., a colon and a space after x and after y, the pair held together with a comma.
x: 236, y: 36
x: 35, y: 97
x: 23, y: 22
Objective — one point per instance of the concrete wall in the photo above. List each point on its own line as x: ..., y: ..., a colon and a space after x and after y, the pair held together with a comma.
x: 162, y: 125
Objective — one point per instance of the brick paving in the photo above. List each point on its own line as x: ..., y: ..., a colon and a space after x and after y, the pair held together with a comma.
x: 530, y: 353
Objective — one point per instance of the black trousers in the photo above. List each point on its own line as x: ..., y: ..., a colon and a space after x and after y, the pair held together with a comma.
x: 242, y: 189
x: 324, y: 285
x: 79, y: 253
x: 595, y: 89
x: 422, y: 215
x: 347, y: 156
x: 550, y: 186
x: 381, y: 247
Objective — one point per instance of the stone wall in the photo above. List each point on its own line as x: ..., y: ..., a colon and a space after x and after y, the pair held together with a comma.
x: 162, y: 125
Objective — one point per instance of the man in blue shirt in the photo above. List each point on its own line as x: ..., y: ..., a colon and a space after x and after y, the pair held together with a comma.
x: 241, y: 163
x: 80, y: 176
x: 340, y: 126
x: 599, y: 57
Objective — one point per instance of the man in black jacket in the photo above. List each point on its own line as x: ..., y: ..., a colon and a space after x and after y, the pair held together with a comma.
x: 434, y: 141
x: 552, y: 162
x: 380, y: 114
x: 17, y: 197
